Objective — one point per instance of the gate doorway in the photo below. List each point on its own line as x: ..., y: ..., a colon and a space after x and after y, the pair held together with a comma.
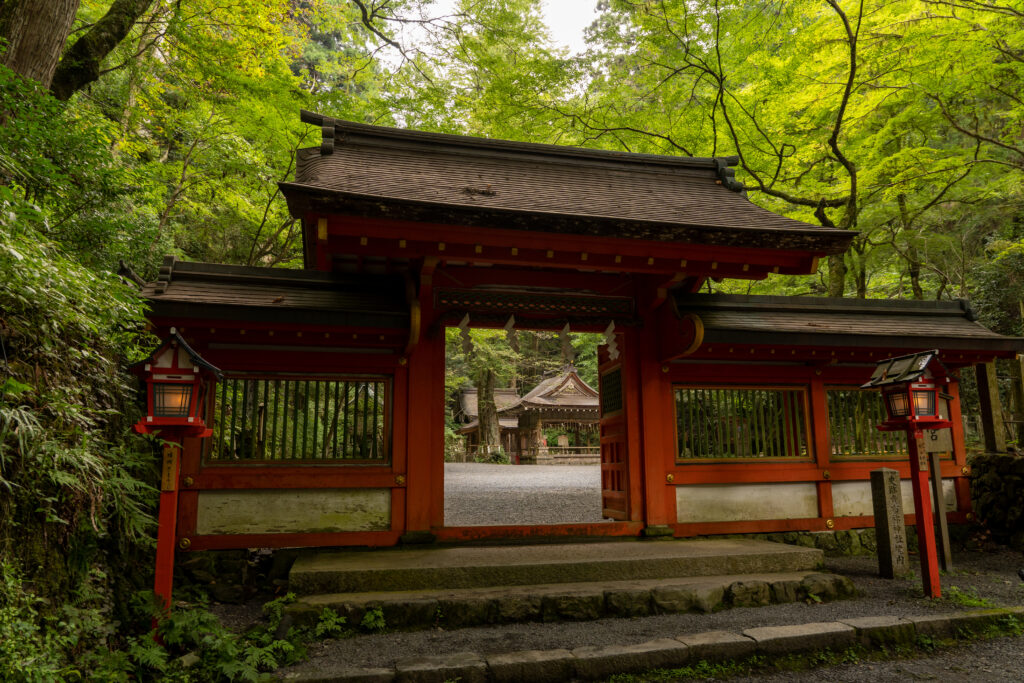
x: 523, y: 442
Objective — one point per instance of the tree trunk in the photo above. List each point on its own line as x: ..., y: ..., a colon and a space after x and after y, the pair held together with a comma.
x: 35, y: 31
x: 911, y: 255
x: 914, y: 270
x: 487, y: 411
x: 836, y: 275
x: 860, y: 267
x: 80, y: 66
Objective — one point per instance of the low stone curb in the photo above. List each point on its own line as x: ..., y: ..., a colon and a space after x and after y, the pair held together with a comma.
x: 574, y: 601
x: 598, y: 663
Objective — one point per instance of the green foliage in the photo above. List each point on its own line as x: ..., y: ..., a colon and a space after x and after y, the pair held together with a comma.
x: 60, y: 177
x: 274, y: 610
x: 74, y: 478
x: 373, y: 620
x: 219, y: 654
x: 496, y: 457
x: 330, y: 625
x: 965, y: 597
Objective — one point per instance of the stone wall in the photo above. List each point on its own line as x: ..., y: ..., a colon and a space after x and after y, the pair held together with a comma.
x: 997, y: 495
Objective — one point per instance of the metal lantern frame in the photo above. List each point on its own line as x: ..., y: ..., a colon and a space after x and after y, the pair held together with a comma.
x: 911, y: 387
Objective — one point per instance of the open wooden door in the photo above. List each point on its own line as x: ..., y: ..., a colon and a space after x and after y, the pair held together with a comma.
x: 614, y: 462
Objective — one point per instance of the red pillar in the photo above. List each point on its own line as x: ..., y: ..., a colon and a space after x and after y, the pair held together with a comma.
x: 657, y: 428
x: 168, y: 519
x: 923, y: 513
x: 425, y: 421
x: 821, y: 446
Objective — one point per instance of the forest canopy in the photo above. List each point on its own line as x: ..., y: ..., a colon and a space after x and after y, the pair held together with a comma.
x: 172, y: 121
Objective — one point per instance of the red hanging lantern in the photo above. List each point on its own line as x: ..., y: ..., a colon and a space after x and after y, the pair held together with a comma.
x: 177, y: 384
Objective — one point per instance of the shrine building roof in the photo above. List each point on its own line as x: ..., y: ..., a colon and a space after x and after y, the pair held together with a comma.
x: 567, y: 390
x: 833, y: 322
x: 191, y: 290
x: 504, y: 398
x: 380, y: 172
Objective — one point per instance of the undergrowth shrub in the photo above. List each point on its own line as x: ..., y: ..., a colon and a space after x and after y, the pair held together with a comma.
x: 76, y: 494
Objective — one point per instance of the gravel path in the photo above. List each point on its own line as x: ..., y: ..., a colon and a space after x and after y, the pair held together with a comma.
x: 991, y: 576
x: 980, y: 661
x: 493, y: 495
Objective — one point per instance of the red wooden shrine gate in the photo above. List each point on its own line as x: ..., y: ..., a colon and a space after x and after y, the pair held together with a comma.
x: 406, y: 233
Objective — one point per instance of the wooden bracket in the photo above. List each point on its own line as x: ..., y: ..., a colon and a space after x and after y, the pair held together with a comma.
x: 679, y: 335
x: 661, y: 290
x: 415, y: 315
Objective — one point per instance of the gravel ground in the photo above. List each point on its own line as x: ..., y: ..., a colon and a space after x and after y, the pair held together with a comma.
x: 989, y: 575
x: 494, y: 495
x: 979, y: 661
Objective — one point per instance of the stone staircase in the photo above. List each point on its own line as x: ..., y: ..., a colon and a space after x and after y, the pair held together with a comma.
x: 453, y: 587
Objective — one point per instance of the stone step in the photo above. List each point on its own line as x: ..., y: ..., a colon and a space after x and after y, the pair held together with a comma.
x: 577, y: 601
x: 461, y: 567
x: 600, y: 663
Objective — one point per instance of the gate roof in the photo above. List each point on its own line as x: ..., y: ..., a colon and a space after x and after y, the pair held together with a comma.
x: 830, y: 322
x: 380, y: 172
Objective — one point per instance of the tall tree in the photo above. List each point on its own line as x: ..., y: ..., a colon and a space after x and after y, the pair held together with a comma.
x: 80, y: 64
x: 35, y: 31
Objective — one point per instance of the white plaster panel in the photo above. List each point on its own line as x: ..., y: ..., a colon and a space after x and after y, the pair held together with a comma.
x: 853, y: 498
x: 745, y: 502
x: 280, y: 511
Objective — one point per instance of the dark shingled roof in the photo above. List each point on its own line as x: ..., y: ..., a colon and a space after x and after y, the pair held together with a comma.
x: 504, y: 398
x: 432, y: 177
x: 238, y: 293
x: 567, y: 390
x: 797, y: 321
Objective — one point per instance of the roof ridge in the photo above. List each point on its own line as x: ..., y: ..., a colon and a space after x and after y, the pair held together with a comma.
x: 826, y: 304
x: 332, y: 129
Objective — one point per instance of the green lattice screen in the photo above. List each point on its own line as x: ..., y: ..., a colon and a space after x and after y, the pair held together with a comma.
x: 740, y: 423
x: 852, y: 416
x: 297, y: 419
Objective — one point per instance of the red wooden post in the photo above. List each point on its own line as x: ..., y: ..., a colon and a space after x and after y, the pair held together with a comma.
x: 424, y: 502
x: 923, y: 513
x: 657, y: 428
x: 820, y: 446
x: 168, y: 517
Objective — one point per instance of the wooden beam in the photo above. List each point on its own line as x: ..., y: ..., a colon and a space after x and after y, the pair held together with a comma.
x: 614, y: 253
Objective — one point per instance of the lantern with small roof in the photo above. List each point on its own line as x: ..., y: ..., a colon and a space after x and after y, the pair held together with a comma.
x: 911, y: 387
x: 177, y: 385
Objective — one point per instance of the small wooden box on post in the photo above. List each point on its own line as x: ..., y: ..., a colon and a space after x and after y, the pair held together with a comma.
x: 911, y: 389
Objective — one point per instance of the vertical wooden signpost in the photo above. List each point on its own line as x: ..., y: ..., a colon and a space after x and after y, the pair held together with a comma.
x: 926, y: 548
x: 167, y: 522
x: 945, y: 552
